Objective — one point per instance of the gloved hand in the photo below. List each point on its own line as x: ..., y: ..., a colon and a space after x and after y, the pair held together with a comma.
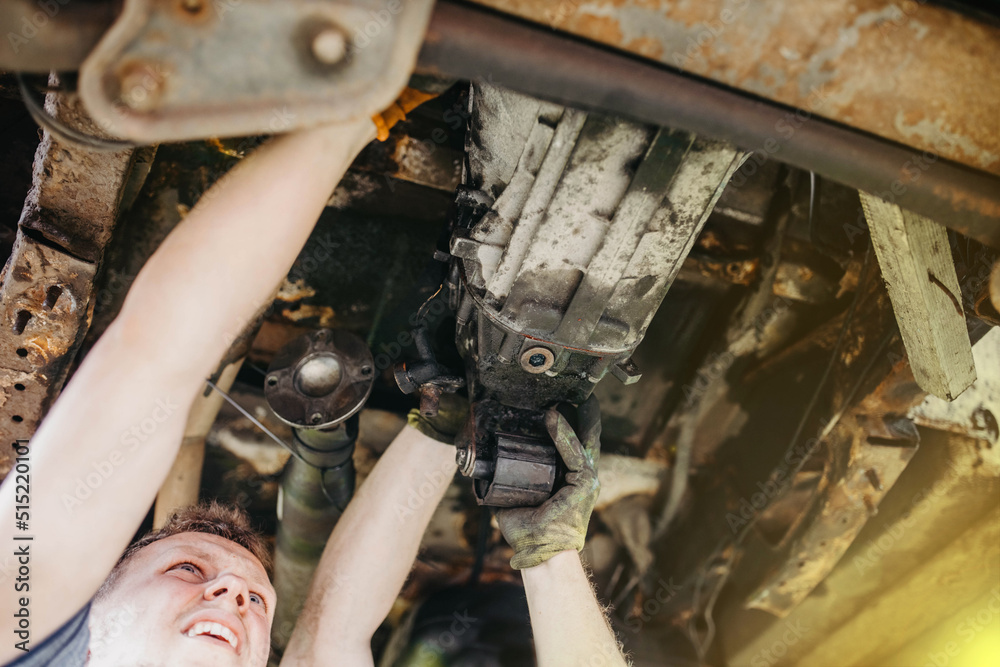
x: 453, y: 412
x: 408, y: 100
x: 560, y: 523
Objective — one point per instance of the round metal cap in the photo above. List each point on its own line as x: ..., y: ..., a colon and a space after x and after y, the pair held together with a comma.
x: 320, y: 379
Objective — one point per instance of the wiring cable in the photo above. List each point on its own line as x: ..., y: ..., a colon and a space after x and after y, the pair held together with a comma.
x: 62, y: 131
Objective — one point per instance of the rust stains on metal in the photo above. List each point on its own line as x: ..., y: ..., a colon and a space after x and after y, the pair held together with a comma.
x: 735, y: 271
x: 906, y: 72
x: 36, y: 342
x: 878, y: 449
x: 47, y: 285
x: 962, y: 202
x: 75, y: 192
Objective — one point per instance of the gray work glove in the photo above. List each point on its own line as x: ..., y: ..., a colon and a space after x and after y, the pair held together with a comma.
x: 560, y: 523
x: 453, y: 412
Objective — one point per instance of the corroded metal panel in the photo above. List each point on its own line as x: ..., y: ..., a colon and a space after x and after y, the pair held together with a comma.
x: 47, y: 285
x: 910, y: 72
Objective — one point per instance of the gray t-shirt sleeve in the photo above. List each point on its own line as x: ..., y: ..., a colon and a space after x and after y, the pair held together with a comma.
x: 66, y: 647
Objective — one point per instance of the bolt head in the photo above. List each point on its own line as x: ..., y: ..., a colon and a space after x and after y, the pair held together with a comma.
x: 141, y: 86
x: 329, y: 46
x: 537, y: 360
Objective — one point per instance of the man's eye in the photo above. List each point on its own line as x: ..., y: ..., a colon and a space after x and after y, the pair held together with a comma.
x: 256, y: 599
x: 188, y: 567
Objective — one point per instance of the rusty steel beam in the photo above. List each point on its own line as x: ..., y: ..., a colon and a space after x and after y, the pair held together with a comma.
x: 465, y: 41
x: 906, y: 72
x: 48, y: 282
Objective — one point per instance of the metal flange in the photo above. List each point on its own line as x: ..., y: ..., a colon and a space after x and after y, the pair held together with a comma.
x: 320, y: 379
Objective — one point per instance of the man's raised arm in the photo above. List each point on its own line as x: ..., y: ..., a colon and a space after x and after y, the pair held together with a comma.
x: 567, y: 622
x: 103, y: 450
x: 373, y: 547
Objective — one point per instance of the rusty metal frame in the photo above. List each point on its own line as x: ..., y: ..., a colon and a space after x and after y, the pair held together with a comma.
x: 46, y: 295
x: 906, y: 72
x: 469, y: 42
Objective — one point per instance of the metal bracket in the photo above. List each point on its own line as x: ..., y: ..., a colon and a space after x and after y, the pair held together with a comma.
x: 187, y: 69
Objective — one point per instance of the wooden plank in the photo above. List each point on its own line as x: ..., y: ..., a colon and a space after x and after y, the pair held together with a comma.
x: 915, y: 258
x: 965, y: 568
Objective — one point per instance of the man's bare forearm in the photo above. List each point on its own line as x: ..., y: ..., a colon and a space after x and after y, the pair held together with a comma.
x: 106, y: 445
x: 371, y: 552
x: 222, y: 263
x: 568, y: 623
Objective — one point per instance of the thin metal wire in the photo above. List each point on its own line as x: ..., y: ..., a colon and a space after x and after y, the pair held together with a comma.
x: 253, y: 420
x: 421, y: 312
x: 270, y: 434
x: 63, y: 132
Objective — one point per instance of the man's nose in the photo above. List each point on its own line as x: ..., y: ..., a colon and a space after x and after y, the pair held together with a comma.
x: 232, y: 587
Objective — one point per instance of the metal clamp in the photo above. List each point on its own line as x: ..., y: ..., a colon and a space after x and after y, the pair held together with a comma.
x: 188, y: 69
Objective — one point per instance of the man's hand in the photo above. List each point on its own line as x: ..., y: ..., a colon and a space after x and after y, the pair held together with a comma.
x: 560, y: 523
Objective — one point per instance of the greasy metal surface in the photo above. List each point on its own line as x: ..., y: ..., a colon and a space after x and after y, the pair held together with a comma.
x: 856, y: 480
x: 509, y: 455
x: 995, y: 287
x: 424, y: 162
x: 305, y: 520
x: 770, y: 427
x: 56, y: 35
x: 75, y: 193
x: 902, y: 71
x: 320, y: 379
x: 47, y: 284
x: 169, y: 71
x: 466, y: 42
x: 866, y: 450
x: 571, y: 229
x: 524, y: 473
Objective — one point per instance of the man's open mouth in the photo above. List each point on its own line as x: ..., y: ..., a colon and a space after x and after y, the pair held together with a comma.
x: 215, y: 631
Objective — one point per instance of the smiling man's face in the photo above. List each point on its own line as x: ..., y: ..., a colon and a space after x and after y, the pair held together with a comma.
x: 188, y: 599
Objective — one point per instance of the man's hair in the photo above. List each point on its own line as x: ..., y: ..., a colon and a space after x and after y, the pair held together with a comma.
x: 225, y: 521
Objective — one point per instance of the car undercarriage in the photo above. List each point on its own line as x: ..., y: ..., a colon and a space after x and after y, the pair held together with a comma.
x: 764, y: 235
